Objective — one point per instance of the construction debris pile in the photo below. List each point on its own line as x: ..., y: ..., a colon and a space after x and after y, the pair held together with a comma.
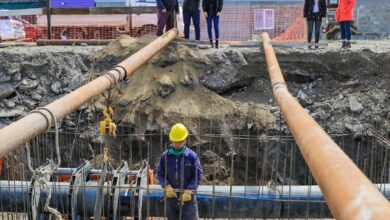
x: 346, y: 92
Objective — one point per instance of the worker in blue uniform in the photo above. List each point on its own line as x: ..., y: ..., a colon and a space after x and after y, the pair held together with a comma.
x: 179, y: 173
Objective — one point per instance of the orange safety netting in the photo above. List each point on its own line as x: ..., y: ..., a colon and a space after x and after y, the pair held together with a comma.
x: 295, y: 32
x: 239, y: 21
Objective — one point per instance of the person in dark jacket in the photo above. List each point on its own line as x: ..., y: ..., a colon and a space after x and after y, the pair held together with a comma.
x: 314, y: 11
x: 212, y: 10
x: 179, y: 172
x: 166, y: 10
x: 191, y: 11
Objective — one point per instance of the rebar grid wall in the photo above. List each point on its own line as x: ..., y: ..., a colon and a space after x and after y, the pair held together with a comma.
x: 244, y: 157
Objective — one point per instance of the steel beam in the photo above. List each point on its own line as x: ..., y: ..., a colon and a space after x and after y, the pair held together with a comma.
x: 348, y: 192
x: 21, y: 131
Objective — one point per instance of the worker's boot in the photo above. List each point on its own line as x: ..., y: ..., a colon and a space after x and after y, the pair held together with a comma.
x: 344, y: 44
x: 216, y: 44
x: 211, y: 44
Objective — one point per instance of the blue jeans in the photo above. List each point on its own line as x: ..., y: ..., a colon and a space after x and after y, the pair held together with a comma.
x: 210, y: 19
x: 195, y: 15
x: 345, y: 28
x: 189, y: 210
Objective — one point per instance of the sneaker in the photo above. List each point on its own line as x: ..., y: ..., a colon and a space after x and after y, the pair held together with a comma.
x: 216, y: 44
x: 348, y: 45
x: 211, y: 44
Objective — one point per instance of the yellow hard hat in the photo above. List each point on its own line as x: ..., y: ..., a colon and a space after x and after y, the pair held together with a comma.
x: 178, y: 133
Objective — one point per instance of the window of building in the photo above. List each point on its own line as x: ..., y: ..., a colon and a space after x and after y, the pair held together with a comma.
x: 264, y: 19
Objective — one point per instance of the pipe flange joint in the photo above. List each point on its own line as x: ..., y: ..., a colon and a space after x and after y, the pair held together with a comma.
x: 110, y: 76
x: 124, y: 70
x: 279, y: 85
x: 48, y: 121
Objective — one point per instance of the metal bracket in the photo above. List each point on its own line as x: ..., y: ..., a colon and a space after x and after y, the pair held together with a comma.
x: 79, y: 176
x: 35, y: 189
x: 120, y: 178
x: 141, y: 184
x: 99, y: 196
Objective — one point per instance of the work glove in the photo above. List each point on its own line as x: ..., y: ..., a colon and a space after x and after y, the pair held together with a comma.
x: 186, y: 197
x: 169, y: 192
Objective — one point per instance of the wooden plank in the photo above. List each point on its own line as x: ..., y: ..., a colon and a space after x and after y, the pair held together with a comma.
x: 65, y: 11
x: 296, y: 44
x: 275, y: 44
x: 103, y: 10
x: 12, y: 44
x: 79, y: 42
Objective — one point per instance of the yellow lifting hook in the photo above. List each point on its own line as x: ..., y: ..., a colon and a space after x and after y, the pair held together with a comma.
x: 108, y: 127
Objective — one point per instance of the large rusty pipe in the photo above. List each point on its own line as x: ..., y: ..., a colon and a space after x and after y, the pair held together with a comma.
x: 21, y: 131
x: 347, y: 191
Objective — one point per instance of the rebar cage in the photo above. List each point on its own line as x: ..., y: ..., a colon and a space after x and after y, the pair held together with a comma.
x: 247, y: 173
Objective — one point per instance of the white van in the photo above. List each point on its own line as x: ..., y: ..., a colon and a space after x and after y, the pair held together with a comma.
x: 11, y: 29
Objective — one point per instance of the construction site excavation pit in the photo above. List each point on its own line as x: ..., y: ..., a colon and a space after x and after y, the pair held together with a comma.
x: 252, y: 167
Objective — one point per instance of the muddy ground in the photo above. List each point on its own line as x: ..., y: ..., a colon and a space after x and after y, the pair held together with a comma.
x: 213, y: 91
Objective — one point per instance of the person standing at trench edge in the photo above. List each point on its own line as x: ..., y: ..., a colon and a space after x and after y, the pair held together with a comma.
x: 212, y: 10
x: 314, y: 11
x: 166, y: 10
x: 179, y: 173
x: 191, y: 11
x: 344, y: 15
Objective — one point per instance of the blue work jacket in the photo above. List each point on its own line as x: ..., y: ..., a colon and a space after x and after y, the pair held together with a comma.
x: 183, y: 172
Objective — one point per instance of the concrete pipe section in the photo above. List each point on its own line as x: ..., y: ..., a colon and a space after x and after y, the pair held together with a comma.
x: 21, y: 131
x: 347, y: 191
